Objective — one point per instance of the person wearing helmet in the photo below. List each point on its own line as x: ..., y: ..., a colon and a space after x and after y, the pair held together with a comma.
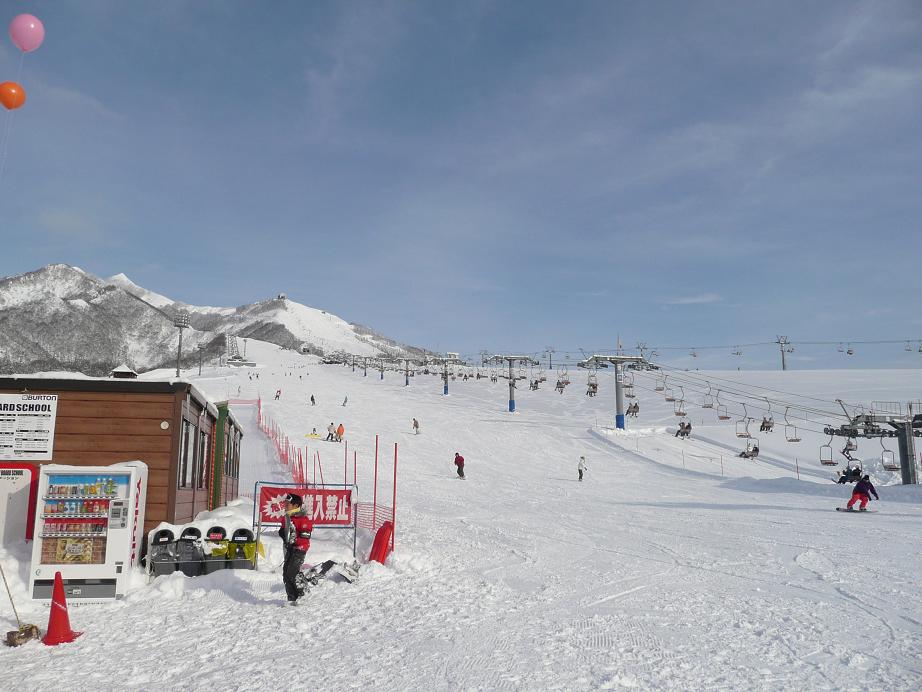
x: 863, y: 489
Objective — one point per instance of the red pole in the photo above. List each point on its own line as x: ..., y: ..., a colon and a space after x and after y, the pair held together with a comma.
x: 315, y: 469
x: 320, y: 466
x: 355, y: 457
x: 374, y: 497
x: 394, y: 500
x: 345, y: 463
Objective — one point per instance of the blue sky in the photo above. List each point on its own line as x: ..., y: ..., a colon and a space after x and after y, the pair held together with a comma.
x: 499, y: 175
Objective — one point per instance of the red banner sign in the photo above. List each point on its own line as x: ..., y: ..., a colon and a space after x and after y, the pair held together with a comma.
x: 323, y: 506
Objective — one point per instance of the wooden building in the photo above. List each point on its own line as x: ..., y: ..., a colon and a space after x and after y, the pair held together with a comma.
x: 190, y: 445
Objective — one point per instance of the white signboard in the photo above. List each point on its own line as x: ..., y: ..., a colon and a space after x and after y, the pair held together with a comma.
x: 16, y: 502
x: 27, y: 426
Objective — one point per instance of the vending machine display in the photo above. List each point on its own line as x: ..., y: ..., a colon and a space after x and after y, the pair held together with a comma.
x: 88, y: 526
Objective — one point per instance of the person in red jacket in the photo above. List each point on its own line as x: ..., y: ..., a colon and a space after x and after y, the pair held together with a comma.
x: 459, y: 462
x: 296, y: 537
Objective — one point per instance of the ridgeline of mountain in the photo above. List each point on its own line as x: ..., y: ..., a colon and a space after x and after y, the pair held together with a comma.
x: 61, y: 318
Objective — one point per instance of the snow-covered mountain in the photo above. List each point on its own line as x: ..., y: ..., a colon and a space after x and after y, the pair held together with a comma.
x: 63, y: 318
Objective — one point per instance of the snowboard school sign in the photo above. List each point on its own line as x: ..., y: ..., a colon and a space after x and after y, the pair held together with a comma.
x: 27, y: 426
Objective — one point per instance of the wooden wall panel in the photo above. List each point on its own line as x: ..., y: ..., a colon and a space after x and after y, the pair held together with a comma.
x: 182, y: 514
x: 110, y: 426
x: 157, y: 494
x: 154, y: 460
x: 111, y: 443
x: 114, y: 409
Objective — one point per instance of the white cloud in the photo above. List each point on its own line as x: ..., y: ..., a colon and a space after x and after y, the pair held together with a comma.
x: 700, y: 299
x: 70, y: 224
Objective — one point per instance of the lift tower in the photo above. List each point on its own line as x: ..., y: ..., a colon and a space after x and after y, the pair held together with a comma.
x: 618, y: 362
x: 445, y: 362
x: 512, y: 360
x: 903, y: 426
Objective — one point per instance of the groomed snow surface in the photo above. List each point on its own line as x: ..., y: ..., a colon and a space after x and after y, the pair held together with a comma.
x: 655, y: 572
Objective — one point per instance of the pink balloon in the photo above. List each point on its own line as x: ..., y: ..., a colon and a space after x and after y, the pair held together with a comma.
x: 27, y: 32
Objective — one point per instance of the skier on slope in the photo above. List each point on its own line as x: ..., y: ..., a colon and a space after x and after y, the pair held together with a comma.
x: 340, y: 432
x: 331, y: 433
x: 581, y: 466
x: 295, y: 533
x: 861, y: 492
x: 459, y: 463
x: 313, y: 400
x: 416, y: 426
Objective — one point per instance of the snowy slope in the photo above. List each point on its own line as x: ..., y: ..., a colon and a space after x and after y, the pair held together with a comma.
x: 646, y: 575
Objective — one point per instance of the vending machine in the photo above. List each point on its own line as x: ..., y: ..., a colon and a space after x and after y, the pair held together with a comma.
x: 89, y: 525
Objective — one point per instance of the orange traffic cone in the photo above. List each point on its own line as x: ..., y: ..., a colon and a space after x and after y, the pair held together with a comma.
x: 59, y: 631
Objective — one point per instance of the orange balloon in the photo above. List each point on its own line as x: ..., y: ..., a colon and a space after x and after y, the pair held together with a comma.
x: 12, y: 96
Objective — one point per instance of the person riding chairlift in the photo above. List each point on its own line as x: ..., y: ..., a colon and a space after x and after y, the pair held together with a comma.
x: 849, y: 447
x: 751, y: 452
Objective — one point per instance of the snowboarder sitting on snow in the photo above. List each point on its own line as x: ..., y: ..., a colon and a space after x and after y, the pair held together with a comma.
x: 581, y: 466
x: 295, y: 533
x: 459, y: 462
x: 863, y: 488
x: 331, y: 433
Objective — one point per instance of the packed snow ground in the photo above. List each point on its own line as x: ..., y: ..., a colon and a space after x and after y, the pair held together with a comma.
x: 654, y: 572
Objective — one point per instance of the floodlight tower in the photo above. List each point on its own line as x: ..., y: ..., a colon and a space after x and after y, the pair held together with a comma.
x: 181, y: 321
x: 512, y: 360
x: 619, y: 362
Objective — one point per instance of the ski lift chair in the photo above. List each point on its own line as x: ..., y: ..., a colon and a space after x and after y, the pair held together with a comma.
x: 679, y: 408
x: 790, y: 431
x: 742, y: 425
x: 768, y: 421
x: 849, y: 351
x: 752, y: 449
x: 826, y: 454
x: 887, y: 458
x: 668, y: 394
x: 708, y: 400
x: 660, y: 385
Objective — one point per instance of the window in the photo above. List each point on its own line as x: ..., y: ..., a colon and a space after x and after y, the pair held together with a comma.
x: 187, y: 455
x: 202, y: 461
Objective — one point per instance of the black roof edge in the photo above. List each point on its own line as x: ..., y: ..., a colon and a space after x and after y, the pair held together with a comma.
x: 43, y: 384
